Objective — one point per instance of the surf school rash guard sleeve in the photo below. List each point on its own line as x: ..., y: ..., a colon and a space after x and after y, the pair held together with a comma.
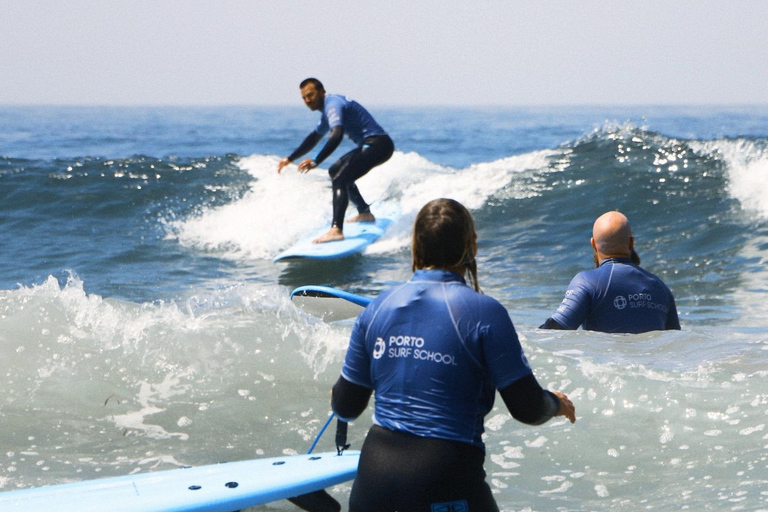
x: 434, y: 351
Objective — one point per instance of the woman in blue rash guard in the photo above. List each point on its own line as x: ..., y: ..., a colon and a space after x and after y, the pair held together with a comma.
x: 435, y: 350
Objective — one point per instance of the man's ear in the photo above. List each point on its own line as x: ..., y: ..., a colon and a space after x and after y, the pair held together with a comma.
x: 592, y: 242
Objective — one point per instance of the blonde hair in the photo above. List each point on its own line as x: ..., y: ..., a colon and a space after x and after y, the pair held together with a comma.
x: 444, y: 237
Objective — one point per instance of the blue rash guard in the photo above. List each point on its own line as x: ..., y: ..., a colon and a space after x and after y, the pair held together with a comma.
x: 357, y: 123
x: 618, y: 297
x: 434, y: 351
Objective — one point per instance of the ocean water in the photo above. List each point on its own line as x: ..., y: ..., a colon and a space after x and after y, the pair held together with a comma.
x: 144, y: 325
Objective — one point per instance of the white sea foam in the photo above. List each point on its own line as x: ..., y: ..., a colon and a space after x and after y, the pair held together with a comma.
x: 278, y: 210
x: 747, y: 164
x: 749, y: 183
x: 241, y: 373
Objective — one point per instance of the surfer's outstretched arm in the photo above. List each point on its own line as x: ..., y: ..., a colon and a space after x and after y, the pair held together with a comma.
x: 308, y: 143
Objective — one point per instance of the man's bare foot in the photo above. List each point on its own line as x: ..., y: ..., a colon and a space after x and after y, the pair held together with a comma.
x: 362, y: 217
x: 333, y: 235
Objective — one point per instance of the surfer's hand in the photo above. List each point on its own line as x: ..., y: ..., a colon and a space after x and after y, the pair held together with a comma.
x: 566, y: 406
x: 307, y: 165
x: 282, y: 164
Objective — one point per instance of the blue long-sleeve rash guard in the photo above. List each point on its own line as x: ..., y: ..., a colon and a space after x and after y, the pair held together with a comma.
x: 341, y: 116
x: 620, y: 297
x: 435, y: 351
x: 357, y: 122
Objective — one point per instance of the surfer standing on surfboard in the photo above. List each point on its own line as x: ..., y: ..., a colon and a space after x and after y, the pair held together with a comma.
x: 341, y: 116
x: 434, y: 351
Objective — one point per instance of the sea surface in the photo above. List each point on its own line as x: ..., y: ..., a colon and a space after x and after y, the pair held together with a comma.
x: 144, y: 325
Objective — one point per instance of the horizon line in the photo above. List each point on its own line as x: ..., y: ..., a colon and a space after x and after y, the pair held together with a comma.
x: 387, y: 105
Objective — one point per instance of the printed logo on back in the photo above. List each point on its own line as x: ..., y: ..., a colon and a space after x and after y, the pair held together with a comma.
x: 410, y: 347
x: 379, y: 348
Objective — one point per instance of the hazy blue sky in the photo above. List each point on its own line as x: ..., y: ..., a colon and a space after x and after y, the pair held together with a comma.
x: 387, y: 52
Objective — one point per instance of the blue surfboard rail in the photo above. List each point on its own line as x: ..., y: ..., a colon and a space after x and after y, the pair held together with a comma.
x: 213, y: 488
x: 328, y: 292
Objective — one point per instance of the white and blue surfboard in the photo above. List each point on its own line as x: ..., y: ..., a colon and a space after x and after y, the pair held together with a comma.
x: 215, y: 488
x: 357, y: 236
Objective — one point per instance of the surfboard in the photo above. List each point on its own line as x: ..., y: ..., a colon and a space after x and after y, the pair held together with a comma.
x: 214, y: 488
x: 357, y: 236
x: 329, y: 304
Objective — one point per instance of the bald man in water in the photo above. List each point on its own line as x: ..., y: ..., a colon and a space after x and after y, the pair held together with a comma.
x: 618, y: 295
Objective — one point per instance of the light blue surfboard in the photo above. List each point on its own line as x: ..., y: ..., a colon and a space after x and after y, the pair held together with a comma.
x: 215, y: 488
x: 357, y: 236
x: 326, y: 292
x: 330, y: 304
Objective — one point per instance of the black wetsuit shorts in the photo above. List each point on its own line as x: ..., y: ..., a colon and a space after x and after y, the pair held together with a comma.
x: 400, y: 472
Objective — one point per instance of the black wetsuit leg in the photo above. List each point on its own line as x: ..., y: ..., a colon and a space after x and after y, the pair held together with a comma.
x: 400, y: 472
x: 353, y: 166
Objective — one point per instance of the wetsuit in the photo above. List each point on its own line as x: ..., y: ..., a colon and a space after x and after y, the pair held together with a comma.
x: 618, y: 296
x: 374, y: 147
x: 435, y: 352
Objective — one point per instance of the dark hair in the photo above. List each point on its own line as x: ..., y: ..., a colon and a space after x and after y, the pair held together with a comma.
x: 444, y: 237
x: 317, y: 83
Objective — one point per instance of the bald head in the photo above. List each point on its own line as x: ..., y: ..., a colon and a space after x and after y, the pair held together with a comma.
x: 612, y: 236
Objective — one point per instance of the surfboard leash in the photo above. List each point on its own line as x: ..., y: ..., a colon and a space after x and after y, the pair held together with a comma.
x: 319, y: 501
x: 341, y: 436
x: 322, y: 430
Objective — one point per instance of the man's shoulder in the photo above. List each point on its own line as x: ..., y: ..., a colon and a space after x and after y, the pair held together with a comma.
x: 658, y: 280
x: 590, y: 281
x: 333, y: 109
x: 647, y: 273
x: 588, y: 276
x: 335, y: 100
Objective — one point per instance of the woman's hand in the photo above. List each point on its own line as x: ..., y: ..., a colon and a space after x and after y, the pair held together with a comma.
x: 566, y: 406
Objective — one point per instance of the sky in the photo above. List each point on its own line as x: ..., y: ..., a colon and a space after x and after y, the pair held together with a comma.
x: 387, y: 52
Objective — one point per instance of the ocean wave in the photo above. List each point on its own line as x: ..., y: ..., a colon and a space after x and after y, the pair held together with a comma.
x: 110, y: 372
x: 747, y: 168
x: 279, y: 209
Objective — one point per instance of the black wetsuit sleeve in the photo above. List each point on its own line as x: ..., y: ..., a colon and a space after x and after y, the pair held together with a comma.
x: 528, y: 402
x: 349, y: 400
x: 552, y: 324
x: 334, y: 139
x: 309, y: 142
x: 673, y: 322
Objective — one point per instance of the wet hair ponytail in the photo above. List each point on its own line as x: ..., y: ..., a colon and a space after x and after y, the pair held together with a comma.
x: 444, y: 237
